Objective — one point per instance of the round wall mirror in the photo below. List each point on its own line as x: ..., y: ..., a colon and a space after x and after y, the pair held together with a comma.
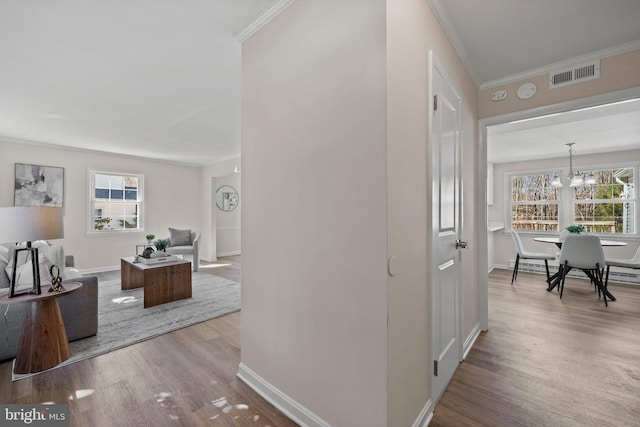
x: 227, y: 198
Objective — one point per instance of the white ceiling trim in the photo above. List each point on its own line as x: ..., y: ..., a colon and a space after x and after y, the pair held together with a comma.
x: 263, y: 20
x: 605, y: 53
x: 452, y: 35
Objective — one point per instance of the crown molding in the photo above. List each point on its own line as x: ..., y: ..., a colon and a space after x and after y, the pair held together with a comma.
x: 604, y: 53
x: 263, y: 20
x: 449, y: 29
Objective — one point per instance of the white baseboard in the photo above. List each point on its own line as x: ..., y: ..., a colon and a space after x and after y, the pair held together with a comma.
x: 425, y: 416
x: 228, y: 253
x: 277, y: 398
x: 471, y: 339
x: 90, y: 271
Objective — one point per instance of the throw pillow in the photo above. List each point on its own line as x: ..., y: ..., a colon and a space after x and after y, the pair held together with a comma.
x: 70, y: 273
x: 24, y: 273
x: 4, y: 261
x: 180, y: 237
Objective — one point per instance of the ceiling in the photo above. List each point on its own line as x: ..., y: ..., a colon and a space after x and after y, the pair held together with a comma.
x: 499, y: 39
x: 612, y: 127
x: 150, y: 78
x: 161, y: 79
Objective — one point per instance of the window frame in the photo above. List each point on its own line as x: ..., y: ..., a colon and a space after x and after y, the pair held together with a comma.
x: 91, y: 203
x: 633, y: 199
x: 509, y: 203
x: 567, y: 201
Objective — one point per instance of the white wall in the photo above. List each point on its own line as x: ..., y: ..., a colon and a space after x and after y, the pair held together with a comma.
x: 314, y: 259
x: 208, y: 209
x: 228, y: 222
x: 412, y: 31
x: 171, y: 193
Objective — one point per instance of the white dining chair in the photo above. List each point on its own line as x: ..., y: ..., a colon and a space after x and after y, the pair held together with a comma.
x: 624, y: 263
x: 584, y: 252
x: 521, y: 253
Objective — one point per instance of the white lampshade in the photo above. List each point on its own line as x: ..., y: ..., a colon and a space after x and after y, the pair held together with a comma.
x: 556, y: 182
x: 590, y: 179
x: 27, y: 224
x: 576, y: 181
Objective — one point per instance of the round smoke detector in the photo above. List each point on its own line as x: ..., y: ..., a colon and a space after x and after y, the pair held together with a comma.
x: 526, y: 91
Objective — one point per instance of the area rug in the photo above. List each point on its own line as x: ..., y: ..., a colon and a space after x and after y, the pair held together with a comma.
x: 123, y: 321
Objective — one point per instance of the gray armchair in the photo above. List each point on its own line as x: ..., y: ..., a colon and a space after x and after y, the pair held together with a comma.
x: 180, y: 245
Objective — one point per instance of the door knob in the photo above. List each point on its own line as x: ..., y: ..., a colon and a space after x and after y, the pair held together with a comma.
x: 461, y: 244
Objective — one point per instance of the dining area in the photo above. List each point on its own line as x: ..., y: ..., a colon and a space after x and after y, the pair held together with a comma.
x: 584, y: 254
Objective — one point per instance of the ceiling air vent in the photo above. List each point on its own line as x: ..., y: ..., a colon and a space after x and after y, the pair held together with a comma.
x: 574, y: 74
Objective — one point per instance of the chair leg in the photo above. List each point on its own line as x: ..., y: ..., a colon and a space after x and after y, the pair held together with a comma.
x: 546, y: 265
x: 601, y: 285
x: 564, y: 274
x: 515, y: 269
x: 606, y: 281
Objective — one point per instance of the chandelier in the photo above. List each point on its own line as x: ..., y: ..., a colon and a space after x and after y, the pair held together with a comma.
x: 576, y: 178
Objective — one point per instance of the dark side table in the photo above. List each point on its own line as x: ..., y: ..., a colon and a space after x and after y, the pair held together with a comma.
x: 44, y: 342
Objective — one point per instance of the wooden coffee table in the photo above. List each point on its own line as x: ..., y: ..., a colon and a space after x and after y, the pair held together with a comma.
x: 44, y: 342
x: 162, y: 283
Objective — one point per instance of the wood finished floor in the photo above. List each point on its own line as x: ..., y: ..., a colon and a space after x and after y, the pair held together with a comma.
x: 543, y: 362
x: 547, y: 361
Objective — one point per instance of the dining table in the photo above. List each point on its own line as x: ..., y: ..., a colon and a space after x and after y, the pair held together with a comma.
x: 557, y: 277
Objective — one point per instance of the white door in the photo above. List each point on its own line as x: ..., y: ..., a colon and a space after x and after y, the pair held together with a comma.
x: 446, y: 187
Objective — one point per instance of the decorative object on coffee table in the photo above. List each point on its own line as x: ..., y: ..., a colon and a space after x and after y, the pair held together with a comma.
x: 161, y: 244
x: 146, y: 253
x: 150, y: 238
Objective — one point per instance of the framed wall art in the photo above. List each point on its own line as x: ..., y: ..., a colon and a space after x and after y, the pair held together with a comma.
x: 37, y: 185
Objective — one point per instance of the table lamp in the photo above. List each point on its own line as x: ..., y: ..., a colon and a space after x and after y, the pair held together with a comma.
x: 27, y: 224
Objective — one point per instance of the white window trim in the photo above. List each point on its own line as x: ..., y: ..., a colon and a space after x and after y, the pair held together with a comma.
x: 91, y: 231
x: 566, y: 209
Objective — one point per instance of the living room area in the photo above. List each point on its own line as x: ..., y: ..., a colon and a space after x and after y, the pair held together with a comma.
x: 171, y: 193
x: 357, y: 282
x: 150, y: 382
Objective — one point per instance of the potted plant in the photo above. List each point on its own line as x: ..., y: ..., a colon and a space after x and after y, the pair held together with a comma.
x: 161, y: 244
x: 150, y: 238
x: 577, y: 229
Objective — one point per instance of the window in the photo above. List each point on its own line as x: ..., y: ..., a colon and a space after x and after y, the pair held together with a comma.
x: 534, y: 203
x: 116, y: 201
x: 607, y: 207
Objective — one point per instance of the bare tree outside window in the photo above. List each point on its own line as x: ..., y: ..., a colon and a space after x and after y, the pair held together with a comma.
x: 534, y: 203
x: 609, y: 205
